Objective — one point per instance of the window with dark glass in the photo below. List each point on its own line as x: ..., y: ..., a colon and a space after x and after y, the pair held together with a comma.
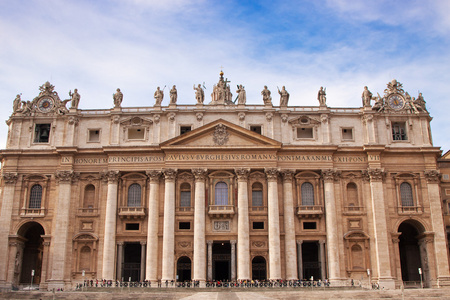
x: 257, y: 194
x: 134, y: 195
x: 35, y: 196
x: 256, y: 128
x: 406, y: 194
x: 399, y: 132
x: 185, y: 195
x: 307, y: 194
x: 41, y: 133
x: 185, y: 129
x: 221, y: 193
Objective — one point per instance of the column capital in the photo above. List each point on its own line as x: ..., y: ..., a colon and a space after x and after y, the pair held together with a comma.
x: 432, y: 176
x: 10, y: 178
x: 200, y: 174
x: 233, y: 242
x: 154, y: 175
x: 287, y: 174
x: 169, y: 174
x: 375, y: 174
x: 299, y: 242
x: 66, y: 176
x: 111, y: 176
x: 209, y: 242
x: 322, y: 242
x: 242, y: 173
x: 271, y: 173
x: 330, y: 175
x: 120, y: 243
x: 143, y: 243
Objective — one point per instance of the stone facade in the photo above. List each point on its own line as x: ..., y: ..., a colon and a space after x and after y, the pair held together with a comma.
x: 222, y: 191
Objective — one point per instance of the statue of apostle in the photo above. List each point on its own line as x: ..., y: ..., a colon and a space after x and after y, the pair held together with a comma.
x: 159, y: 95
x: 173, y: 95
x: 117, y: 97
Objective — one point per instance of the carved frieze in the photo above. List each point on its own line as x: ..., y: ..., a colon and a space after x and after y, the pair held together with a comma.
x: 9, y: 178
x: 220, y: 135
x: 432, y: 176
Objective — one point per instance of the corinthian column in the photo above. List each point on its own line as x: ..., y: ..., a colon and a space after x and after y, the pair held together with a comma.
x: 289, y: 226
x: 334, y: 272
x: 383, y: 262
x: 61, y: 227
x: 199, y: 226
x: 151, y: 272
x: 440, y: 245
x: 109, y: 243
x: 274, y: 224
x: 9, y: 180
x: 168, y: 272
x: 243, y: 240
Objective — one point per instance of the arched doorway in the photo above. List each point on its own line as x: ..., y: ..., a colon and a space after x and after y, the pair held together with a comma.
x: 412, y: 254
x: 184, y: 269
x: 259, y: 268
x: 32, y: 254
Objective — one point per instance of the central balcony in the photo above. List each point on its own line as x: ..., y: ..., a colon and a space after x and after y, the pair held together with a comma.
x: 132, y: 212
x: 309, y: 211
x: 221, y: 211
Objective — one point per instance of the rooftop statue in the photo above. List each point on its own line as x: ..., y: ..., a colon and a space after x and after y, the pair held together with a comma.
x: 159, y: 95
x: 173, y: 95
x: 17, y: 104
x: 242, y: 98
x: 367, y: 96
x: 284, y: 96
x: 266, y: 96
x: 420, y: 103
x: 199, y: 94
x: 322, y: 96
x: 75, y: 98
x: 117, y: 97
x: 221, y: 92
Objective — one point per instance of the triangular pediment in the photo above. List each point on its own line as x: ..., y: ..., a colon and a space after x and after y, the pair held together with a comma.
x: 221, y: 134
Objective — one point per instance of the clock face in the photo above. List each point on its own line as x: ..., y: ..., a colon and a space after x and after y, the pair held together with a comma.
x: 45, y: 105
x: 396, y: 101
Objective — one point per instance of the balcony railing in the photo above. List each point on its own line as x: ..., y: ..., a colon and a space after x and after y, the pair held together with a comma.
x: 32, y: 212
x: 90, y: 211
x: 185, y: 208
x: 409, y: 209
x: 258, y: 208
x: 353, y: 210
x: 309, y: 211
x: 132, y: 212
x: 221, y: 210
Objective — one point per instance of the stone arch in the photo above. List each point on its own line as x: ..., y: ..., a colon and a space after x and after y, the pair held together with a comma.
x: 259, y: 268
x: 184, y: 268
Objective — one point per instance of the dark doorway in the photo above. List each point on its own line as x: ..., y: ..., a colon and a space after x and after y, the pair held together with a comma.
x: 184, y: 269
x: 410, y: 258
x: 32, y: 253
x: 310, y: 259
x: 132, y: 262
x: 221, y: 260
x: 259, y: 268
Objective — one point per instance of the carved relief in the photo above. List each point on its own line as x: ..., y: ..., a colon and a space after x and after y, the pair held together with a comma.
x: 199, y: 116
x: 241, y: 116
x: 10, y: 178
x: 269, y: 116
x: 220, y: 135
x: 284, y: 118
x: 184, y: 244
x: 171, y: 117
x: 375, y: 174
x: 221, y: 226
x: 258, y: 244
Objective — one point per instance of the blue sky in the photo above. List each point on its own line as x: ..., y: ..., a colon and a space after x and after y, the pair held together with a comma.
x: 137, y: 45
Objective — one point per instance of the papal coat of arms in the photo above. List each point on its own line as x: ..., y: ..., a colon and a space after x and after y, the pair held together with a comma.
x: 220, y: 135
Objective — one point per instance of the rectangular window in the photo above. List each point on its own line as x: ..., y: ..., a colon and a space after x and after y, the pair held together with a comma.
x: 447, y: 191
x: 445, y: 177
x: 399, y: 131
x: 132, y: 226
x: 347, y: 134
x: 184, y: 129
x: 184, y: 225
x: 309, y: 225
x: 256, y: 128
x: 136, y: 133
x: 305, y: 133
x: 258, y: 225
x: 185, y: 198
x: 94, y: 135
x: 41, y: 133
x: 257, y: 198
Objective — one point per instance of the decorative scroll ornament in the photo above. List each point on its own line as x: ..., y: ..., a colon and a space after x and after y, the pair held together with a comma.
x: 330, y: 175
x: 220, y: 135
x: 10, y: 178
x: 169, y: 174
x: 432, y: 176
x: 242, y: 173
x: 271, y: 173
x: 200, y: 174
x: 199, y: 116
x: 110, y: 176
x: 287, y: 174
x: 154, y: 175
x: 66, y: 176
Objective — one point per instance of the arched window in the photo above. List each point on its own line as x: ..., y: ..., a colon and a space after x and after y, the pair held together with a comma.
x: 185, y: 195
x: 352, y: 194
x: 89, y: 196
x: 134, y: 195
x: 257, y: 194
x: 221, y: 193
x: 85, y: 259
x: 357, y: 257
x: 35, y: 196
x: 406, y: 194
x: 307, y: 194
